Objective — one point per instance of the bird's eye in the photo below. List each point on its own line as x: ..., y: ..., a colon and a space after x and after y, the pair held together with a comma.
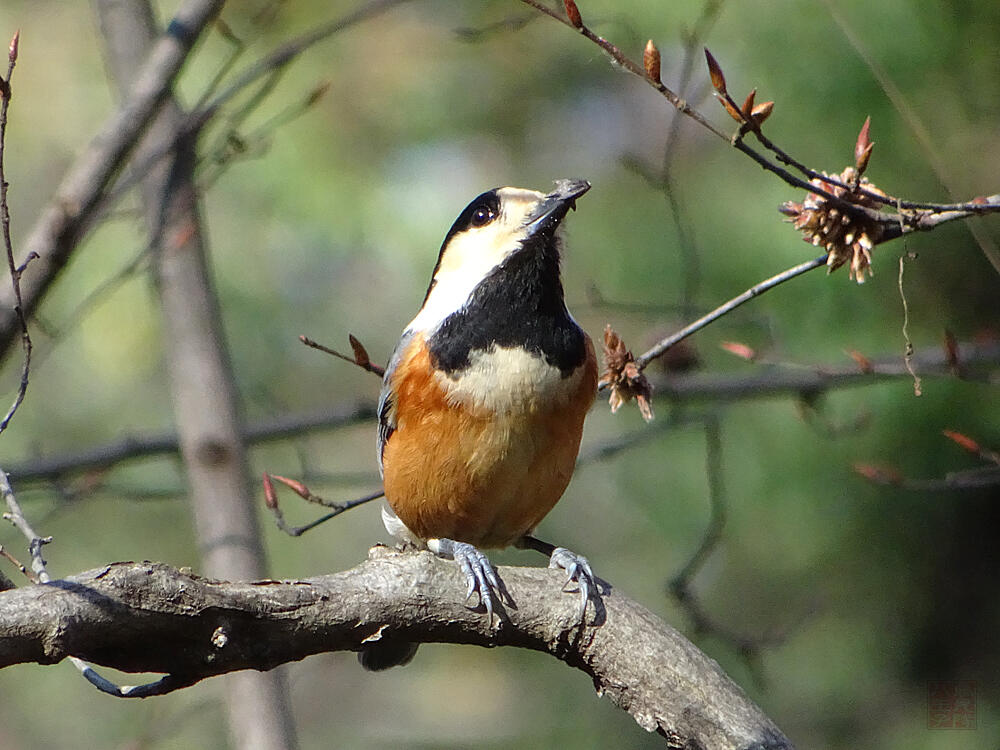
x: 482, y: 216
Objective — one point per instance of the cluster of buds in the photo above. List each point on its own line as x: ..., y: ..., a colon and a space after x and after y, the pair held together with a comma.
x: 623, y: 376
x: 750, y: 115
x: 846, y: 236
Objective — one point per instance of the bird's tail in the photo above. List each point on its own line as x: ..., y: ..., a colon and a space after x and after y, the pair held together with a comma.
x: 386, y: 653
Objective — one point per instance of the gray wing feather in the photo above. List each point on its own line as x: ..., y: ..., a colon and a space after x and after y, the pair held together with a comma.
x: 386, y: 424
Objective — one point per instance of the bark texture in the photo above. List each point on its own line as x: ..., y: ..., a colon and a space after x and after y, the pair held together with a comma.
x: 151, y: 617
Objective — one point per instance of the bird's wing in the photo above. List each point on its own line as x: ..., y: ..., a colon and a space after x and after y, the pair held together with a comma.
x: 386, y: 398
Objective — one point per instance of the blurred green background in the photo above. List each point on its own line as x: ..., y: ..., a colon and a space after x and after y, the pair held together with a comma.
x: 335, y: 227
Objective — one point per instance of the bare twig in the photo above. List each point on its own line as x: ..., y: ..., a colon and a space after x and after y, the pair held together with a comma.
x: 755, y: 291
x: 300, y: 489
x: 980, y: 362
x: 360, y: 357
x: 923, y: 136
x: 15, y: 515
x: 167, y: 684
x: 681, y: 583
x: 7, y: 583
x: 971, y: 479
x: 68, y: 216
x: 907, y: 343
x: 15, y: 272
x: 918, y: 216
x: 166, y: 443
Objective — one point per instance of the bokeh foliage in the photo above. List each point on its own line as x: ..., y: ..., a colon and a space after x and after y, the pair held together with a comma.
x: 334, y: 229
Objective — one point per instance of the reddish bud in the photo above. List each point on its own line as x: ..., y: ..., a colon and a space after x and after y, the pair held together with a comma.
x: 863, y: 147
x: 761, y: 112
x: 651, y: 61
x: 963, y: 440
x: 740, y: 350
x: 864, y: 364
x: 728, y: 106
x: 715, y: 73
x: 573, y: 14
x: 747, y: 107
x: 880, y: 474
x: 12, y: 53
x: 270, y: 496
x: 360, y: 353
x: 295, y: 486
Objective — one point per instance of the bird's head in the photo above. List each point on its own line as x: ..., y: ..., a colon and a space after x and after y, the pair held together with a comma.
x: 494, y: 231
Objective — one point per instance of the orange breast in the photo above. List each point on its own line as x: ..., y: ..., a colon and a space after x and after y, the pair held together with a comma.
x: 476, y: 476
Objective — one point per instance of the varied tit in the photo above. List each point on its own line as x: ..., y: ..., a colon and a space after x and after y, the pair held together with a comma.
x: 483, y: 401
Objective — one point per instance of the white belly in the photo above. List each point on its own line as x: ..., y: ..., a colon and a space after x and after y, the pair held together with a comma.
x: 508, y: 381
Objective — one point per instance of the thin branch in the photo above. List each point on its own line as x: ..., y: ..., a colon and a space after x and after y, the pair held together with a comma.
x: 16, y: 517
x: 7, y: 583
x: 360, y: 358
x: 931, y: 151
x: 755, y: 291
x: 166, y: 443
x: 15, y: 272
x: 152, y: 618
x: 979, y: 362
x: 983, y: 477
x: 271, y: 502
x: 681, y: 583
x: 628, y: 64
x: 69, y: 215
x: 917, y: 217
x: 907, y: 344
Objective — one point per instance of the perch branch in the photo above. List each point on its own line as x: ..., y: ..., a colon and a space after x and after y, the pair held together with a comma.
x: 152, y: 618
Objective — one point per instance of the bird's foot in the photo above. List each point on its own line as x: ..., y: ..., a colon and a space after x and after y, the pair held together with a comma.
x: 577, y: 571
x: 479, y: 572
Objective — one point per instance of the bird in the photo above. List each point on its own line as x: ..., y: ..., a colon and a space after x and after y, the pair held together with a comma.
x: 483, y: 401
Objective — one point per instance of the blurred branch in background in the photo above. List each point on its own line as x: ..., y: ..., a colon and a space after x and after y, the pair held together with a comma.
x: 977, y: 362
x: 206, y: 404
x: 86, y: 191
x: 146, y: 445
x: 15, y: 270
x: 978, y: 478
x: 69, y: 215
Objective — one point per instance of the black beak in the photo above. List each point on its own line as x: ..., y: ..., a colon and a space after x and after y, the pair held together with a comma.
x: 553, y: 207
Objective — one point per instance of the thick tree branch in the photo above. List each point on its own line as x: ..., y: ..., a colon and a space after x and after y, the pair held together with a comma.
x: 152, y: 618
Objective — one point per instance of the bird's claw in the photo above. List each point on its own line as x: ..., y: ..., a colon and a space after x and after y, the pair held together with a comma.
x: 478, y: 570
x: 577, y: 571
